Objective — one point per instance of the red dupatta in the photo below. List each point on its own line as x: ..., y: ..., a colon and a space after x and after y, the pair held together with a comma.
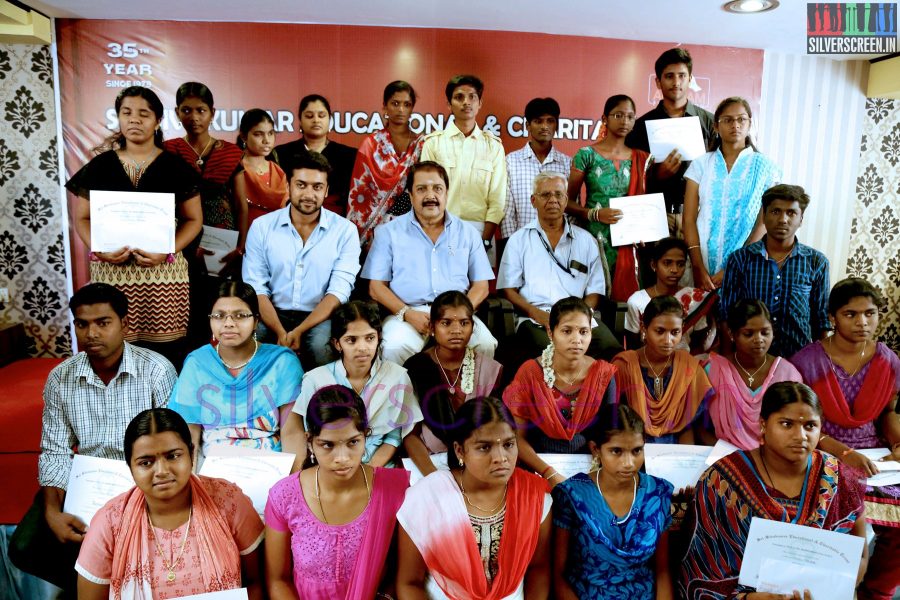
x: 873, y: 397
x: 626, y: 276
x: 264, y: 197
x: 529, y: 398
x: 447, y: 544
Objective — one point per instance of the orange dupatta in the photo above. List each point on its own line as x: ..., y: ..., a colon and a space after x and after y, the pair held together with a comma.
x: 682, y: 399
x: 265, y: 197
x: 220, y: 564
x: 528, y: 398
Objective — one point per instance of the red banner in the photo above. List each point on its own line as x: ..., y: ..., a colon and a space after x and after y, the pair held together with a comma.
x: 271, y: 66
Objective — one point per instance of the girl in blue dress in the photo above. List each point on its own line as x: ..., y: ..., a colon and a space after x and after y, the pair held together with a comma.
x: 610, y: 524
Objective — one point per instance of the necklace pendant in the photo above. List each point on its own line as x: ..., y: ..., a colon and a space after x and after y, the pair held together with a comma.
x: 657, y: 387
x: 750, y: 380
x: 170, y: 576
x: 452, y: 390
x: 199, y: 162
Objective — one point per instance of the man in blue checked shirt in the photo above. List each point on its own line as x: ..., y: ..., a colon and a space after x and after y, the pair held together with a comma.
x: 792, y: 279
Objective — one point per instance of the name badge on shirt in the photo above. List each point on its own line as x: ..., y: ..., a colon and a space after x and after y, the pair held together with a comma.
x: 581, y: 268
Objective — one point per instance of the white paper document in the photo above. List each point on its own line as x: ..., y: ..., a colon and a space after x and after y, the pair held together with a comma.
x: 254, y: 471
x: 643, y: 219
x: 141, y: 220
x: 220, y: 242
x: 679, y: 464
x: 781, y: 557
x: 877, y: 455
x: 683, y: 134
x: 240, y: 594
x: 568, y: 464
x: 885, y: 478
x: 93, y: 482
x: 719, y: 451
x: 439, y: 460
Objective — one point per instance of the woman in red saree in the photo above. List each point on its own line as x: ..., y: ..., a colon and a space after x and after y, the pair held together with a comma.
x: 378, y: 186
x: 555, y: 397
x: 857, y: 380
x: 490, y: 539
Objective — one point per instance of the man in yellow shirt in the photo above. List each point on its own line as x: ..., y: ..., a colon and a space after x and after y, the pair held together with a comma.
x: 473, y: 158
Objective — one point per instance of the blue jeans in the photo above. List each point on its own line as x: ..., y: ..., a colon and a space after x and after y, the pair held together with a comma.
x: 315, y: 344
x: 16, y: 584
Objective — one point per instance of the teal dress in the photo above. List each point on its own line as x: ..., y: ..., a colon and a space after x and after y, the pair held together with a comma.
x: 603, y: 181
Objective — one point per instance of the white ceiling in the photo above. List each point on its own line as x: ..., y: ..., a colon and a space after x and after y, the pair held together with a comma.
x: 676, y: 21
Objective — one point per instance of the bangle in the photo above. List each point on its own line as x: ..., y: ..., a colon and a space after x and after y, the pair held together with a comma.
x: 692, y: 247
x: 551, y: 476
x: 544, y: 472
x: 846, y: 452
x: 823, y: 438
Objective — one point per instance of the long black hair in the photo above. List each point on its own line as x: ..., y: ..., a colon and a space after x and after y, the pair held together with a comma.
x: 473, y: 415
x: 153, y: 421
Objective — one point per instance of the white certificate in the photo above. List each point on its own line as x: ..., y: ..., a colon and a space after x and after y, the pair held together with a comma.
x: 683, y: 134
x: 93, y: 482
x: 782, y: 557
x: 679, y: 464
x: 254, y: 471
x: 643, y: 219
x: 568, y: 464
x: 220, y: 242
x: 720, y: 450
x: 240, y: 594
x: 141, y: 220
x: 439, y: 460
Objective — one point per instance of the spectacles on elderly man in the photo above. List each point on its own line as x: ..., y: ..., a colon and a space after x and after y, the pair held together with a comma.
x: 547, y: 195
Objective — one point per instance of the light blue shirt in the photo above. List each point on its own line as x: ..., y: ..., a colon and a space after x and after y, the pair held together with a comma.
x: 528, y: 267
x: 294, y: 275
x: 418, y: 269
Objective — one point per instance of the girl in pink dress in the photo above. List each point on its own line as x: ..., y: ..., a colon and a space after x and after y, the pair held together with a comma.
x: 330, y: 526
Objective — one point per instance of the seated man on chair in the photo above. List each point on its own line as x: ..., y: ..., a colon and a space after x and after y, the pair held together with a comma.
x: 547, y: 260
x: 417, y: 256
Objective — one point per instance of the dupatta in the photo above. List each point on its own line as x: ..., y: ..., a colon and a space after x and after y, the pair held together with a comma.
x: 389, y: 490
x: 529, y: 398
x: 682, y: 399
x: 626, y: 278
x: 445, y: 539
x: 262, y: 197
x: 220, y: 564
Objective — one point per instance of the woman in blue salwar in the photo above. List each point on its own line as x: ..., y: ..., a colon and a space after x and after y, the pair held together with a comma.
x: 610, y: 524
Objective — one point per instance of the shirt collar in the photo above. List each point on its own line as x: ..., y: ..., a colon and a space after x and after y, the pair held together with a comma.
x: 83, y: 365
x: 690, y: 110
x: 528, y: 154
x: 760, y: 248
x: 453, y: 131
x: 284, y: 217
x: 567, y: 228
x: 414, y: 222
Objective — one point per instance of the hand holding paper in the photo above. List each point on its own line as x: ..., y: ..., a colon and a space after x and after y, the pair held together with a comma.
x: 683, y: 135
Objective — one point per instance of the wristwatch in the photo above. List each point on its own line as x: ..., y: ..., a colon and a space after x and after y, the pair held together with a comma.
x: 402, y: 312
x: 488, y: 244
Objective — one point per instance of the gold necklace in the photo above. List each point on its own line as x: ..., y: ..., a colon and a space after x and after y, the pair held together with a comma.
x: 484, y: 510
x: 319, y: 500
x: 170, y: 567
x: 199, y: 161
x: 570, y: 382
x: 240, y: 366
x: 862, y: 357
x: 658, y: 388
x: 750, y: 376
x: 452, y: 386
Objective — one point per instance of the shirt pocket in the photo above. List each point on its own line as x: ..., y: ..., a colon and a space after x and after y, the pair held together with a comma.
x: 482, y: 171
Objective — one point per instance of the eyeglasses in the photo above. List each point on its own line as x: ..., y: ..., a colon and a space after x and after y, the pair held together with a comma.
x: 620, y: 116
x: 236, y: 317
x: 547, y: 195
x: 730, y: 120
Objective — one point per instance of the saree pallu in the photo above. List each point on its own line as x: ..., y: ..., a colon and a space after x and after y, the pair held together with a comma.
x: 626, y: 278
x: 265, y: 193
x: 215, y: 172
x: 377, y: 187
x: 682, y: 399
x: 460, y: 573
x: 730, y: 493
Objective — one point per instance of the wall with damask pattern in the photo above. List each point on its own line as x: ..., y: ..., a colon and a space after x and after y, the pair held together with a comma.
x: 32, y: 258
x: 875, y: 229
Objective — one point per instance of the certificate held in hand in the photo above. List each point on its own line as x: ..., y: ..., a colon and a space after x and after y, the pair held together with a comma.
x: 643, y: 219
x: 682, y: 134
x: 141, y: 220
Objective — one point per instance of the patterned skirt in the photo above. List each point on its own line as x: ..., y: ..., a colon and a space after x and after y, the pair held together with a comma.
x: 158, y: 297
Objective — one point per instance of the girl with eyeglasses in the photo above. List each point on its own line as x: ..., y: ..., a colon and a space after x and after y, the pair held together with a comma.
x: 236, y: 390
x: 610, y: 169
x: 723, y: 194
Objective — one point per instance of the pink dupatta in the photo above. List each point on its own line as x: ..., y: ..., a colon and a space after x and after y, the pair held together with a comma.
x: 220, y: 564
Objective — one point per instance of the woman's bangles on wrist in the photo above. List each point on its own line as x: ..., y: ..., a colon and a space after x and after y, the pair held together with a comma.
x: 592, y: 214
